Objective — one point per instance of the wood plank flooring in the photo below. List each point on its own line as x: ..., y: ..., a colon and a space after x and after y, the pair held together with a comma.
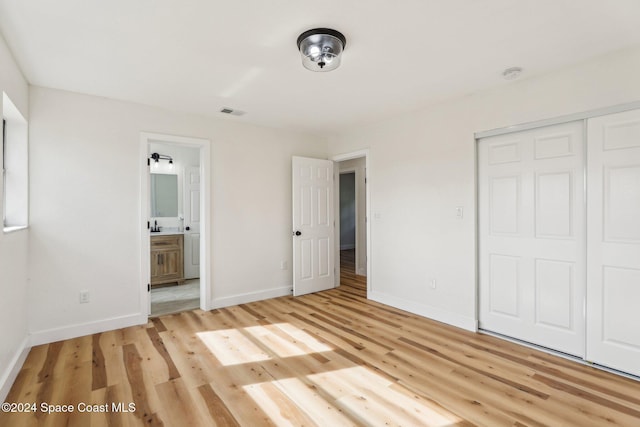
x: 328, y: 359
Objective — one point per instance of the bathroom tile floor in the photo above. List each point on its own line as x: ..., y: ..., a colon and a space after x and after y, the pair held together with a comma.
x: 174, y: 299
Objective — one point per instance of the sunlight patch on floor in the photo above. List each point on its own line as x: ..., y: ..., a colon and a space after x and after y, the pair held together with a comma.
x: 304, y: 337
x: 291, y: 402
x: 286, y: 340
x: 294, y: 393
x: 359, y: 391
x: 231, y: 347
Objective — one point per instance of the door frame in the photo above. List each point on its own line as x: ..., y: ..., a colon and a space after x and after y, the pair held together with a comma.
x: 204, y: 146
x: 336, y: 173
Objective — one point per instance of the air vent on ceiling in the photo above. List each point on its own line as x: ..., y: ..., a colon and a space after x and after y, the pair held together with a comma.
x: 233, y: 112
x: 512, y: 73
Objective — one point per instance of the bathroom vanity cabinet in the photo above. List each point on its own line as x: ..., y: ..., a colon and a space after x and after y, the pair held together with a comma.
x: 167, y: 259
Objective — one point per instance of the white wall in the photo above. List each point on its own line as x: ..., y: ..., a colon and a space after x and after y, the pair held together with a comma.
x: 13, y: 251
x: 85, y: 203
x: 422, y: 167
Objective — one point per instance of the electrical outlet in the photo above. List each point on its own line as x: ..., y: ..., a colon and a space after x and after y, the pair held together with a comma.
x: 84, y: 297
x: 283, y: 265
x: 432, y: 283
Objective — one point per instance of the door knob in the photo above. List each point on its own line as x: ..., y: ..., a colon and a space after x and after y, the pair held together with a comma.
x: 297, y: 233
x: 187, y: 228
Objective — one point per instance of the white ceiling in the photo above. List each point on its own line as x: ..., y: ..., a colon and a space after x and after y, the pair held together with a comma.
x: 197, y: 56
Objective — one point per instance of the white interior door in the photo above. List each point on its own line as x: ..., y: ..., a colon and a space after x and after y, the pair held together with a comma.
x: 192, y: 222
x: 613, y: 284
x: 531, y: 236
x: 313, y: 225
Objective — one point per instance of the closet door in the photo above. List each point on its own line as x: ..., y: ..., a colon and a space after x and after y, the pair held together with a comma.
x: 532, y: 236
x: 613, y: 284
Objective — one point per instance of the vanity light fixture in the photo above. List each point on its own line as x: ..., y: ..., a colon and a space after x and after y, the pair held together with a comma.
x: 157, y: 157
x: 321, y: 49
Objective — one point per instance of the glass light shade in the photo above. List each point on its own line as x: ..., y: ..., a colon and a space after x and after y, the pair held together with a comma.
x: 321, y: 49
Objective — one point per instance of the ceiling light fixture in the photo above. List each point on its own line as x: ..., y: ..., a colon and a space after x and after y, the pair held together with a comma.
x: 321, y: 49
x: 512, y: 73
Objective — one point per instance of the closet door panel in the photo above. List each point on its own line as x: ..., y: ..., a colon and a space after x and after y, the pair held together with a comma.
x: 613, y: 269
x: 532, y: 236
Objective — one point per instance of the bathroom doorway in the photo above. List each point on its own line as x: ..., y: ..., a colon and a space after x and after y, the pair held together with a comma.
x: 175, y: 207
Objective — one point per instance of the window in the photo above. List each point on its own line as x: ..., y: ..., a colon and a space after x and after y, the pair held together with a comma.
x: 15, y: 194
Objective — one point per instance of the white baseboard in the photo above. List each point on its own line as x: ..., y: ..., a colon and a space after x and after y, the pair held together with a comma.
x: 11, y: 373
x: 362, y: 271
x: 434, y: 313
x: 57, y: 334
x: 346, y: 247
x: 251, y: 297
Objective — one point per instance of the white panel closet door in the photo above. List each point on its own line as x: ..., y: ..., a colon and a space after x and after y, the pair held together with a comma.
x: 532, y: 236
x: 613, y: 284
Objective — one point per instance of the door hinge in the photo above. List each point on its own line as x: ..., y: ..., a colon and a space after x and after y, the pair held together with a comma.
x: 148, y: 287
x: 148, y: 225
x: 148, y: 162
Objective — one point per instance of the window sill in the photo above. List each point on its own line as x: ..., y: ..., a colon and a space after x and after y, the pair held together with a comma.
x: 14, y: 228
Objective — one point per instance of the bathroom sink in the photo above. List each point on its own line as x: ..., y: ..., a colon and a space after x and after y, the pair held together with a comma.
x: 166, y: 231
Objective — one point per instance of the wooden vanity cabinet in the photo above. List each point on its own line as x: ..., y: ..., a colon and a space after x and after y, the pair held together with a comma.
x: 167, y: 259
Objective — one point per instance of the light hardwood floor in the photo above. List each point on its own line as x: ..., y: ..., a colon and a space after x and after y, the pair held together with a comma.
x: 328, y: 359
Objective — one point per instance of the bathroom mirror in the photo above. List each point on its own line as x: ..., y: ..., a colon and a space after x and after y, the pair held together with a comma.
x: 164, y: 195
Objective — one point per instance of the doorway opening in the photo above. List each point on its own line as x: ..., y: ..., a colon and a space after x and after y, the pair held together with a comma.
x: 175, y: 214
x: 348, y: 211
x: 348, y: 217
x: 352, y: 228
x: 175, y: 220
